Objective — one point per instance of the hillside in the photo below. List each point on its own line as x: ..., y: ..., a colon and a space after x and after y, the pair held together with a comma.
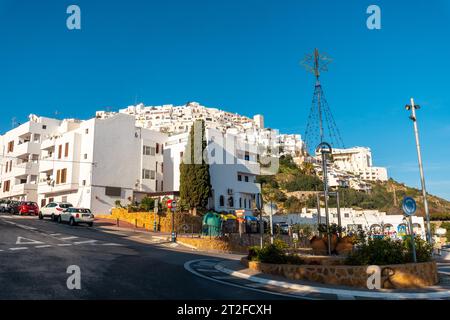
x: 290, y: 188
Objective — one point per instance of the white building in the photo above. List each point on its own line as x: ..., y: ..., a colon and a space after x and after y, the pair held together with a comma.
x: 97, y: 162
x: 19, y: 158
x: 358, y: 160
x: 372, y: 221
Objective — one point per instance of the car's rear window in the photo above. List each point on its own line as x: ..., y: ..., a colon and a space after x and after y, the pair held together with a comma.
x: 66, y: 205
x: 83, y: 210
x: 29, y: 204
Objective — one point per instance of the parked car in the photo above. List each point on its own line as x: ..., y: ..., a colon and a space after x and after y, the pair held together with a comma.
x: 27, y: 207
x: 3, y: 205
x: 11, y: 206
x: 281, y: 228
x: 53, y: 210
x: 75, y: 216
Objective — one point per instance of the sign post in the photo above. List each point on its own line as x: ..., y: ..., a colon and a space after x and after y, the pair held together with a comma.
x: 409, y: 207
x: 171, y: 205
x: 156, y: 209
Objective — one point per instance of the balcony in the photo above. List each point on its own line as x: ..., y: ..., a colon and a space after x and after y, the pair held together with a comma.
x: 46, y: 164
x: 25, y: 168
x: 23, y: 189
x: 27, y: 148
x: 45, y: 188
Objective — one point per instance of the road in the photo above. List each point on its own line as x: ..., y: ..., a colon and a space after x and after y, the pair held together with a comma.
x: 35, y: 255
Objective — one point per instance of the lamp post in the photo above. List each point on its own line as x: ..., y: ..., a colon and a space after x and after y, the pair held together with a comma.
x: 413, y: 107
x: 325, y: 148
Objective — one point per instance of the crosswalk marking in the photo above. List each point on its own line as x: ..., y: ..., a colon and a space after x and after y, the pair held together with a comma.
x: 44, y: 246
x: 69, y: 238
x: 85, y: 242
x: 17, y: 249
x: 64, y: 245
x: 22, y: 240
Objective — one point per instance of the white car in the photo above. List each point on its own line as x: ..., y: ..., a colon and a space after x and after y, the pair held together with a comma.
x: 53, y: 210
x: 75, y: 216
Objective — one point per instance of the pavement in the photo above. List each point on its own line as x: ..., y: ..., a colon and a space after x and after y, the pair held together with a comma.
x: 127, y: 263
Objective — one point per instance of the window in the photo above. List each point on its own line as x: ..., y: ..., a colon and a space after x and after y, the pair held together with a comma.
x: 240, y: 202
x: 87, y: 131
x: 43, y: 202
x: 231, y: 202
x: 152, y: 174
x: 113, y: 191
x: 44, y: 127
x: 66, y: 150
x: 6, y: 167
x: 239, y: 177
x: 246, y: 178
x: 64, y: 199
x: 149, y: 151
x: 156, y: 185
x: 83, y: 183
x: 59, y: 151
x: 245, y: 203
x: 157, y: 148
x: 221, y: 201
x: 247, y: 156
x: 61, y: 176
x: 162, y: 167
x: 162, y: 185
x: 11, y: 146
x: 145, y: 174
x: 85, y: 156
x: 156, y: 166
x: 6, y: 186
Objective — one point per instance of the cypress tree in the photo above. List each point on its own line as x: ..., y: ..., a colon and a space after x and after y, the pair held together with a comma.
x: 195, y: 182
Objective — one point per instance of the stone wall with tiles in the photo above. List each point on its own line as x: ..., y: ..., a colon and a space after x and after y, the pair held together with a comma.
x: 213, y: 244
x: 402, y: 276
x: 146, y: 220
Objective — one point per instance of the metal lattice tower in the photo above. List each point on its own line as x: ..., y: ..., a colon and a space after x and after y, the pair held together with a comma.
x: 321, y: 126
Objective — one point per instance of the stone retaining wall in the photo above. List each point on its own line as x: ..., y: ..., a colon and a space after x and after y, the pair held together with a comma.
x: 402, y: 276
x: 212, y: 244
x: 146, y: 220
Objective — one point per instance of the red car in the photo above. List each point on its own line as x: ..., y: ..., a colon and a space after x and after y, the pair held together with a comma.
x: 27, y: 207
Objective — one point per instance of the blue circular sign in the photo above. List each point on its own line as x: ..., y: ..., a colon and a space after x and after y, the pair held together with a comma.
x: 409, y: 206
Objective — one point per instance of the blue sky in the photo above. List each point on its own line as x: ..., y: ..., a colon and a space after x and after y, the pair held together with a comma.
x: 242, y: 56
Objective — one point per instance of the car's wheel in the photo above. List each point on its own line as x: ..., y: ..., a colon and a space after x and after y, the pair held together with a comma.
x: 53, y: 217
x: 72, y: 222
x: 90, y: 224
x: 41, y: 216
x: 59, y: 219
x: 11, y: 211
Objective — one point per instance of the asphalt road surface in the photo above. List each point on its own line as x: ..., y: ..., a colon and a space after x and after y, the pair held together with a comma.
x: 35, y: 256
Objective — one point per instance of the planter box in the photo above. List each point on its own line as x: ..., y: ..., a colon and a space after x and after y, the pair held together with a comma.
x: 401, y: 276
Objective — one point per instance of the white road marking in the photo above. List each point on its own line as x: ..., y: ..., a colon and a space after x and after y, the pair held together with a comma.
x: 68, y: 238
x: 64, y: 245
x: 44, y: 246
x: 17, y: 249
x: 85, y: 242
x: 188, y: 267
x: 55, y: 234
x: 22, y: 240
x: 112, y: 244
x: 21, y: 226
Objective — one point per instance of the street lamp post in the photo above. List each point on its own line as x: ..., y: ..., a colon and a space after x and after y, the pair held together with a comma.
x: 325, y: 149
x: 413, y: 117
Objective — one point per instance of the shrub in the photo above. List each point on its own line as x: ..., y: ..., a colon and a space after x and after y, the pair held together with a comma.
x: 273, y: 253
x: 147, y: 204
x: 424, y: 250
x: 385, y: 251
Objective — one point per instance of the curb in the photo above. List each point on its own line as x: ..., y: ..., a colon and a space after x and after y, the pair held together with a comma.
x: 338, y: 292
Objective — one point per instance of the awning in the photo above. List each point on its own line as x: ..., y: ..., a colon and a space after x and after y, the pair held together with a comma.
x: 251, y: 218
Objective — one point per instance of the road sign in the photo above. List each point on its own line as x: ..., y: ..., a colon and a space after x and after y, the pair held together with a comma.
x: 409, y: 206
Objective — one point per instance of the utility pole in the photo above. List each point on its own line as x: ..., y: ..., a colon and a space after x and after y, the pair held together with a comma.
x: 413, y: 117
x: 325, y: 149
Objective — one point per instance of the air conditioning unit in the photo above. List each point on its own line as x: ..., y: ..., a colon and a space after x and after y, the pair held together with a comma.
x: 230, y: 191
